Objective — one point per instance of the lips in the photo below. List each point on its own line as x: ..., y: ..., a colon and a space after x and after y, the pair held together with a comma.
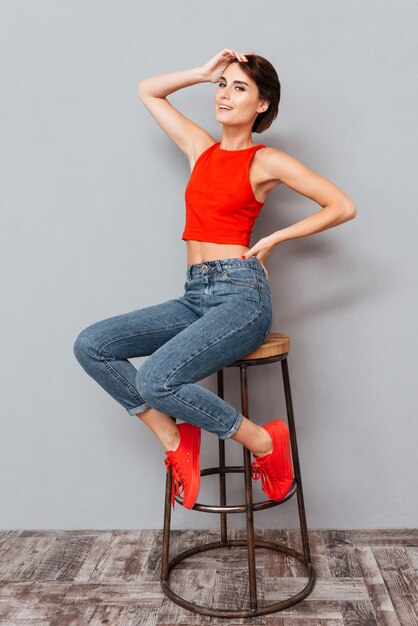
x: 220, y: 107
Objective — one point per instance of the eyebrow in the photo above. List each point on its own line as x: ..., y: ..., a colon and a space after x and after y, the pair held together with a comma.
x: 241, y: 82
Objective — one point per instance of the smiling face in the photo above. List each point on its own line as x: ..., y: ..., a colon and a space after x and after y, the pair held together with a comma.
x: 239, y: 93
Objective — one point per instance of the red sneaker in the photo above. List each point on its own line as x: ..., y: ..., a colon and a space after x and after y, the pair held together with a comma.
x: 276, y: 467
x: 185, y: 465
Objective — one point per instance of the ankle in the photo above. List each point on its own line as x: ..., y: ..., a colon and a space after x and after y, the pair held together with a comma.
x: 265, y: 445
x: 174, y: 442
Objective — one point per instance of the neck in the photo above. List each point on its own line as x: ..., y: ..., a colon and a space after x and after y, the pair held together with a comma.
x: 236, y: 142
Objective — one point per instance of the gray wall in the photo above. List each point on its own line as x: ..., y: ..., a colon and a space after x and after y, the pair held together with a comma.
x: 88, y: 180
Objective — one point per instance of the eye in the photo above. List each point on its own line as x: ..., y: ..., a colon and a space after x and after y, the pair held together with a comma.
x: 236, y: 86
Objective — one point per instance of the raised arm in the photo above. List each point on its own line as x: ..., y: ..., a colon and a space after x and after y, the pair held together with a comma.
x: 190, y: 137
x: 153, y: 91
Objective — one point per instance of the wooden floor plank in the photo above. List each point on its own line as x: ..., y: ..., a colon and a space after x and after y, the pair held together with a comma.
x: 22, y: 615
x: 95, y: 615
x: 30, y: 602
x: 22, y: 555
x: 101, y: 545
x: 288, y: 621
x: 335, y: 538
x: 401, y: 582
x: 412, y: 556
x: 141, y: 614
x: 294, y: 566
x: 72, y: 615
x: 194, y: 586
x: 276, y: 563
x: 90, y: 616
x: 378, y: 593
x: 319, y: 553
x: 235, y: 556
x: 124, y: 558
x: 152, y: 566
x: 33, y: 592
x: 232, y: 591
x: 341, y: 589
x: 311, y: 611
x: 115, y: 593
x: 64, y: 557
x: 384, y: 537
x: 6, y: 538
x: 342, y: 556
x: 357, y: 613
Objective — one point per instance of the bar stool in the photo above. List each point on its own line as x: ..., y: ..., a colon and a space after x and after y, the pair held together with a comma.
x: 275, y: 347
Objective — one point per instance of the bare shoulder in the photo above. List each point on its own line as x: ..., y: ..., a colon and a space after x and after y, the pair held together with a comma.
x: 280, y: 168
x: 272, y: 162
x: 264, y: 171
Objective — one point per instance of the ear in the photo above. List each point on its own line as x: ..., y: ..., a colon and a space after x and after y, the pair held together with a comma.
x: 263, y: 106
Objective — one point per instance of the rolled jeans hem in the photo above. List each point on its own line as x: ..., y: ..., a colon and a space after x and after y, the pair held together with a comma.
x: 139, y: 409
x: 234, y: 428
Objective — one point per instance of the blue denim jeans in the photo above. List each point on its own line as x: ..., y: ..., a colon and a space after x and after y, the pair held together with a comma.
x: 224, y: 314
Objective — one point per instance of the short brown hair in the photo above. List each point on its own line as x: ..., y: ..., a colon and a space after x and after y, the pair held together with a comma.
x: 267, y: 80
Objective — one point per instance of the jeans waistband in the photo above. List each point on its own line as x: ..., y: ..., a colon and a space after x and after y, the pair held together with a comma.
x: 219, y: 265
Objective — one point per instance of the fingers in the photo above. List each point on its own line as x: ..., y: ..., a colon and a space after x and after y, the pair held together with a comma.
x: 240, y: 57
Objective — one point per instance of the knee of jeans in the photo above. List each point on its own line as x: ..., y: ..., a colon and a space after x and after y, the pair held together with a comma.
x: 80, y: 347
x: 148, y: 384
x: 84, y: 347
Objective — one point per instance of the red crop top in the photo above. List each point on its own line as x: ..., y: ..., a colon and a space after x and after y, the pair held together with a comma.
x: 220, y: 203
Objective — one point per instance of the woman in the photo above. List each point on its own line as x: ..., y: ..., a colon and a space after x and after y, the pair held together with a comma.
x: 226, y: 310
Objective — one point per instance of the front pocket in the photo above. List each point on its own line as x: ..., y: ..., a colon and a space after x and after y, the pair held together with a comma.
x: 241, y: 276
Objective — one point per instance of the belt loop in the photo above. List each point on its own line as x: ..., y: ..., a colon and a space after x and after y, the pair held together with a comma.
x: 218, y: 266
x: 189, y: 272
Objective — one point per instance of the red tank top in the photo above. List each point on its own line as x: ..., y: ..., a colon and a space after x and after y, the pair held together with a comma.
x: 220, y: 203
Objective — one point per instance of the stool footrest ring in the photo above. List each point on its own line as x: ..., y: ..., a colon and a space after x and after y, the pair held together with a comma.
x: 235, y: 508
x: 264, y: 610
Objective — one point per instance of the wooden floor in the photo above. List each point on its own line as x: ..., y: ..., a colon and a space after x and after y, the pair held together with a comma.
x: 80, y: 578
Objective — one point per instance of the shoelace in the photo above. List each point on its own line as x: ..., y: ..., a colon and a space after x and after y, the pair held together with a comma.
x: 257, y: 471
x: 177, y: 478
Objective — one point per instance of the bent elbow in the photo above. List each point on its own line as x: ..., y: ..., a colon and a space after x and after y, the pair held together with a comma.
x: 353, y: 212
x: 350, y: 212
x: 141, y: 89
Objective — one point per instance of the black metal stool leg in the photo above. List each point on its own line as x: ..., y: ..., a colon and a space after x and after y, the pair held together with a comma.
x: 167, y: 520
x: 295, y: 457
x: 249, y: 513
x: 222, y: 477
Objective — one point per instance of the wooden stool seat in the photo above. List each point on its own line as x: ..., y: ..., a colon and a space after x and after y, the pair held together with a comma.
x: 274, y: 344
